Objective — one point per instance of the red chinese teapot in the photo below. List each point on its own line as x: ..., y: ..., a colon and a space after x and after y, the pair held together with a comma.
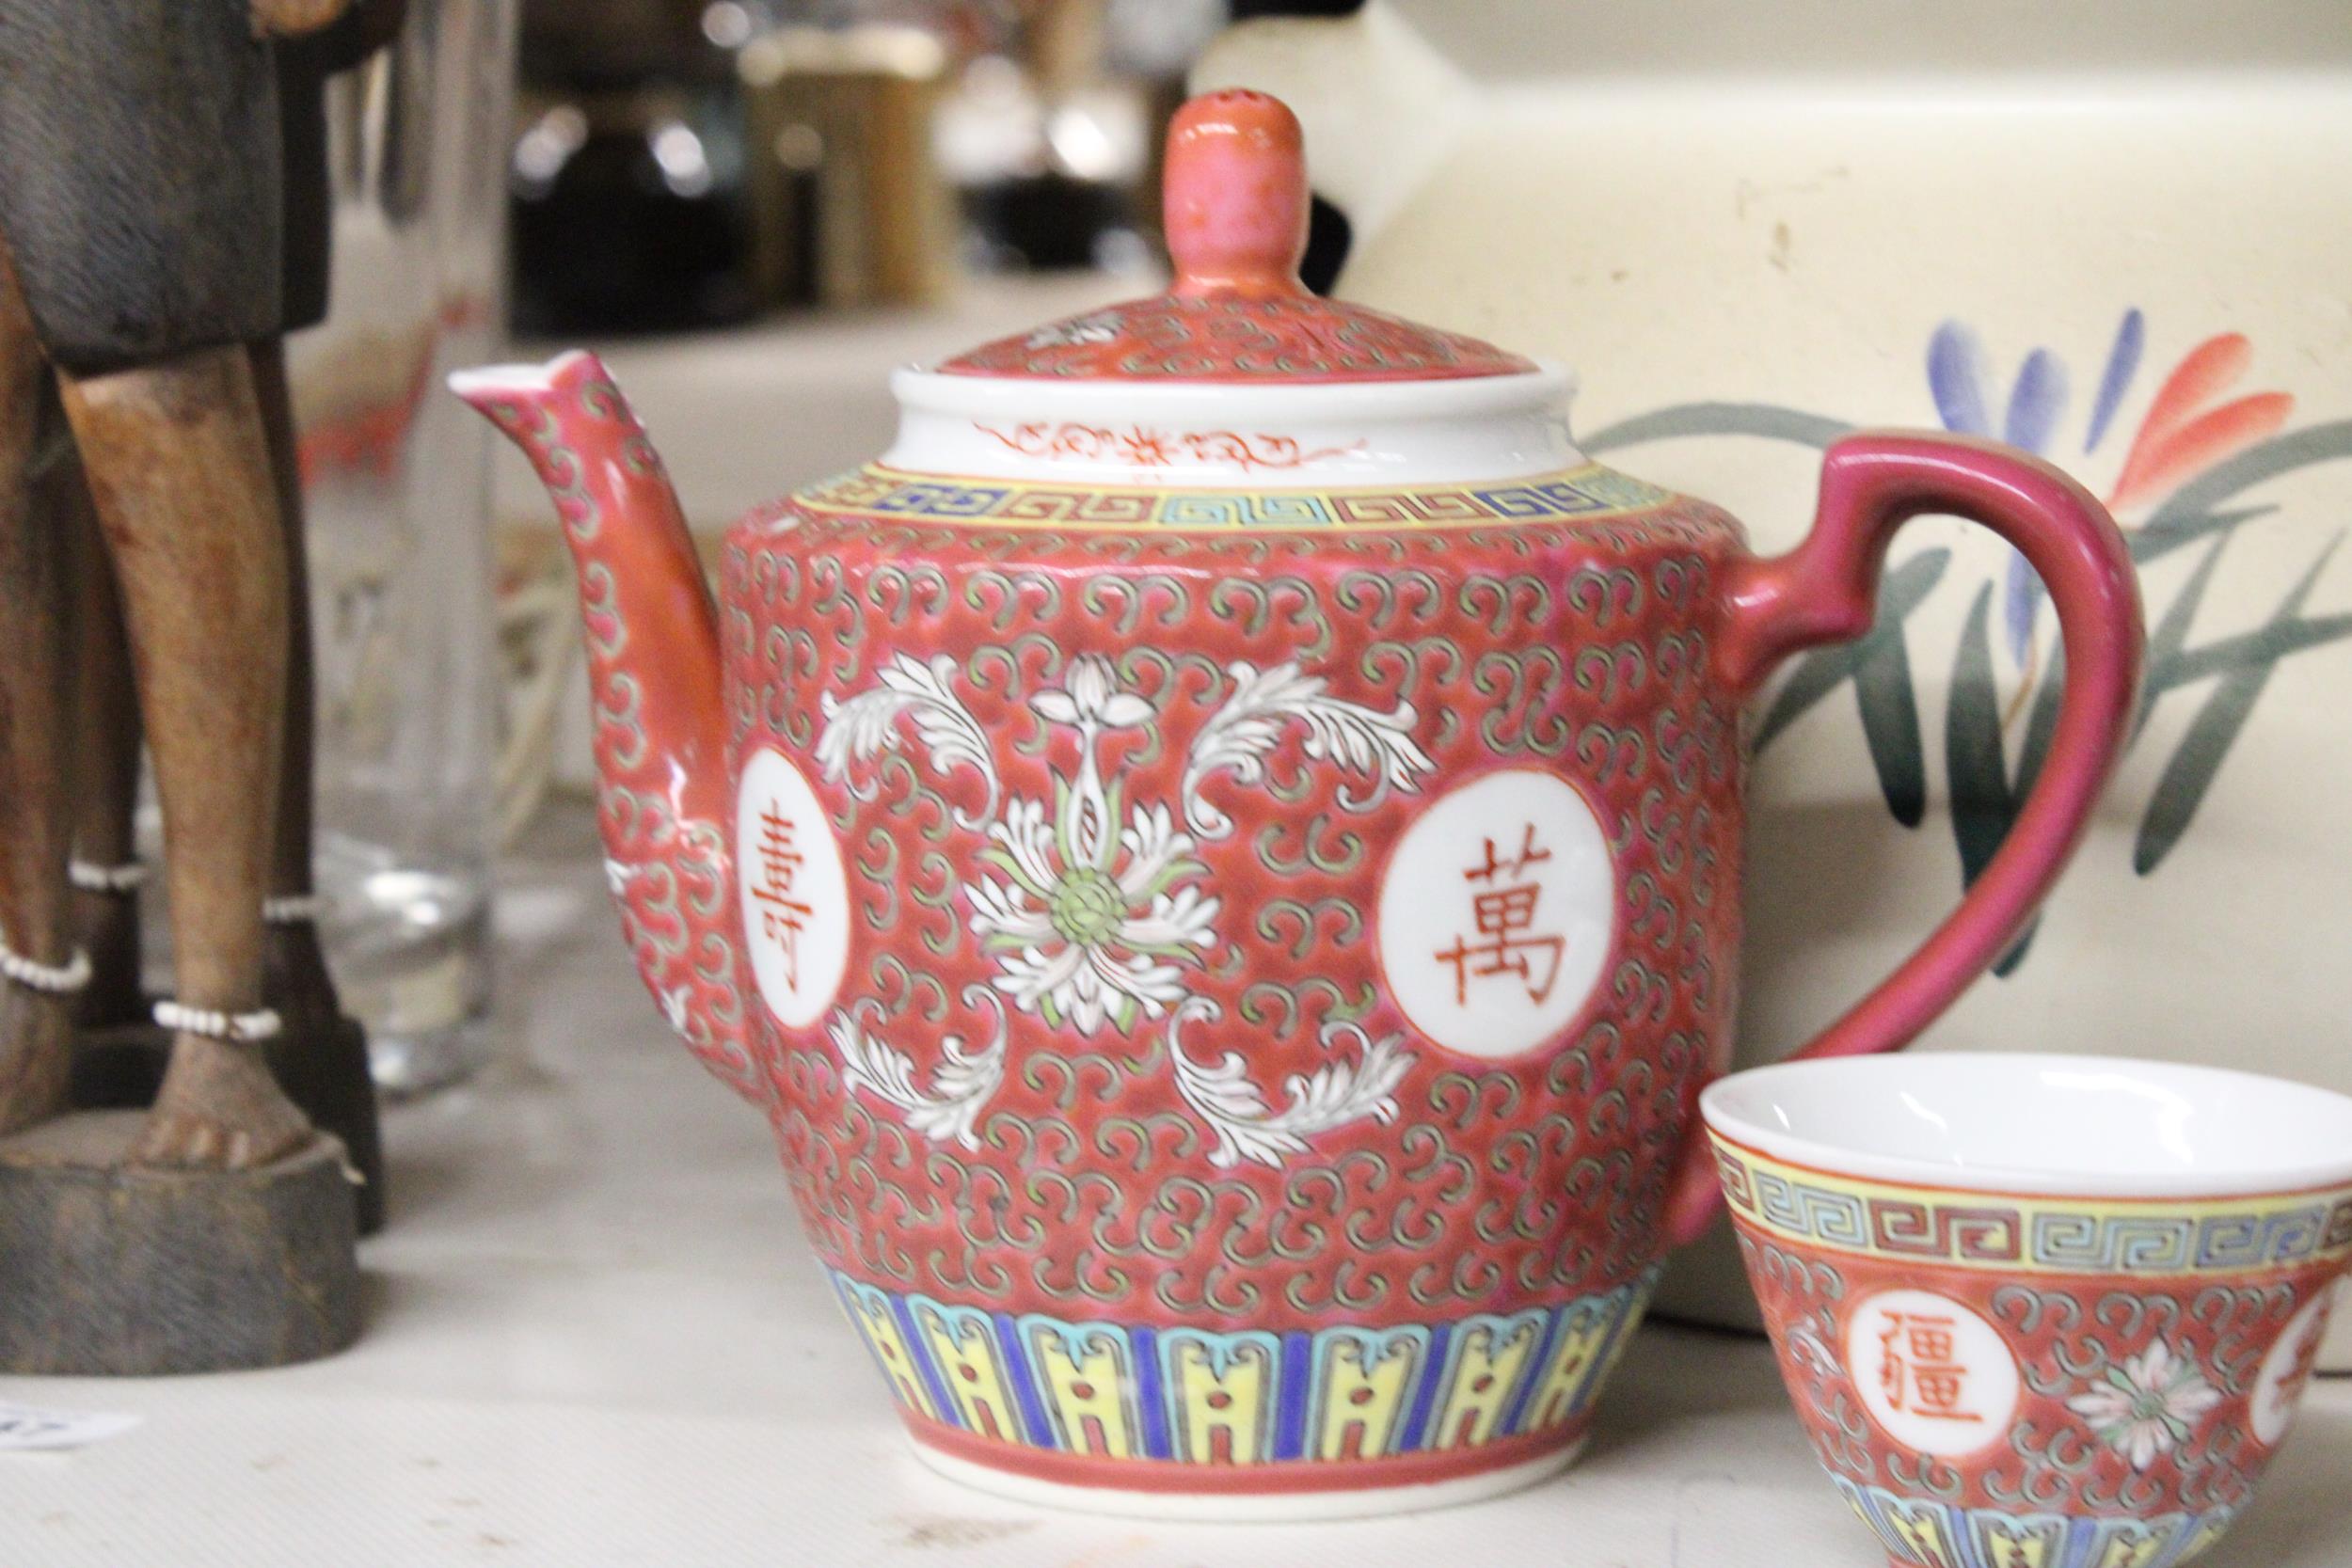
x: 1219, y: 856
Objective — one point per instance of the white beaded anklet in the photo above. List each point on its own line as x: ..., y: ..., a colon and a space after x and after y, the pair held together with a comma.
x: 238, y: 1028
x: 293, y: 908
x: 49, y: 979
x: 91, y: 877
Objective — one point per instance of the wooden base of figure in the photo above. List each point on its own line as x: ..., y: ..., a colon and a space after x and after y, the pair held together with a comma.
x: 325, y: 1074
x: 114, y: 1270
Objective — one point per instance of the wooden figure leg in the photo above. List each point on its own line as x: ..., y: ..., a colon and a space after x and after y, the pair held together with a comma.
x: 322, y: 1061
x: 106, y: 797
x: 298, y: 981
x: 179, y: 466
x: 38, y: 1002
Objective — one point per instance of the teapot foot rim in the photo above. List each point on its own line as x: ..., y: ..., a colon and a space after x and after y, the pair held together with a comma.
x: 1294, y: 1507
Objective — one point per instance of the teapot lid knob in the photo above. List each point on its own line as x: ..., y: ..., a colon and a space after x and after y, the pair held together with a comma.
x: 1235, y: 196
x: 1235, y: 184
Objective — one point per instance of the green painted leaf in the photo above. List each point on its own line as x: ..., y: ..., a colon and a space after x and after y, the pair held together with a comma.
x: 1983, y: 801
x: 2189, y: 774
x: 2267, y: 643
x: 1004, y: 861
x: 1977, y: 773
x: 2165, y: 644
x: 2169, y: 638
x: 1879, y: 664
x: 1889, y: 709
x: 2146, y: 547
x: 2188, y: 514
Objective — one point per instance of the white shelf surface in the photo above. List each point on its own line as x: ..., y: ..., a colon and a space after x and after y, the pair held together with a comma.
x: 595, y: 1339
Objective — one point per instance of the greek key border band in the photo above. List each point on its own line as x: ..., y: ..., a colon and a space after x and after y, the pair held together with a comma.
x: 2031, y: 1234
x: 1588, y: 493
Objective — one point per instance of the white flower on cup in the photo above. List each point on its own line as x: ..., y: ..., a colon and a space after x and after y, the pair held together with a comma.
x: 2147, y: 1405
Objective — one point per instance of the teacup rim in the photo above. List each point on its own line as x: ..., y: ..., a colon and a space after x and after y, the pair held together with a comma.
x: 1725, y: 1119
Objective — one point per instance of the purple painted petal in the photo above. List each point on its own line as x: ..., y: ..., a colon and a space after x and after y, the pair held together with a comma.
x: 2036, y: 402
x: 1956, y: 379
x: 2021, y: 599
x: 2122, y: 360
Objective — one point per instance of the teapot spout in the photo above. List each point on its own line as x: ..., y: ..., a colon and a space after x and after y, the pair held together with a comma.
x: 652, y: 636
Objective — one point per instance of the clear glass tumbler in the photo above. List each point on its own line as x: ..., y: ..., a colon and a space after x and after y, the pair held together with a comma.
x: 396, y: 478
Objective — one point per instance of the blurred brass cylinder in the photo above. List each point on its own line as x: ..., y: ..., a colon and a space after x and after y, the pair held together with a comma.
x: 847, y: 206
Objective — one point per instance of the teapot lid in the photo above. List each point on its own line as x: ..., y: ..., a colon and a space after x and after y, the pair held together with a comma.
x: 1236, y: 212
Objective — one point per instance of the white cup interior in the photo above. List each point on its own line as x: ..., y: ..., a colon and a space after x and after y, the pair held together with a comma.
x: 2094, y: 1126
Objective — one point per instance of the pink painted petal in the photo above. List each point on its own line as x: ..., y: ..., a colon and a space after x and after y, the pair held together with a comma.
x: 2212, y: 437
x: 2205, y: 374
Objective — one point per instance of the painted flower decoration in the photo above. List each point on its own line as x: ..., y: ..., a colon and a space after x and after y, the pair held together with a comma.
x: 2191, y: 424
x: 2147, y: 1405
x: 2189, y: 476
x: 1087, y: 921
x: 1092, y: 908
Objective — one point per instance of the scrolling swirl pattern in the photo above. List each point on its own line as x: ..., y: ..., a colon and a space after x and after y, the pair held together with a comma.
x: 1117, y: 1049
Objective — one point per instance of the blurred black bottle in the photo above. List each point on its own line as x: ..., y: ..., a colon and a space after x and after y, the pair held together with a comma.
x: 627, y: 167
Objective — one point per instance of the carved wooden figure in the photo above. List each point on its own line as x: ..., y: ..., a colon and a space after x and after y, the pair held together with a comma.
x: 144, y: 287
x: 319, y: 1056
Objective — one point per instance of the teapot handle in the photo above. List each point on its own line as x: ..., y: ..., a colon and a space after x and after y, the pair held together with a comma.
x: 1826, y: 590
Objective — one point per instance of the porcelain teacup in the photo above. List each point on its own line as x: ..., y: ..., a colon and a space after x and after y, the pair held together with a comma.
x: 2039, y: 1310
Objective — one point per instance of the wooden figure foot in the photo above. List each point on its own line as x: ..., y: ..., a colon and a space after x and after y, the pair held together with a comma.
x: 320, y: 1059
x: 219, y: 1107
x: 36, y: 1056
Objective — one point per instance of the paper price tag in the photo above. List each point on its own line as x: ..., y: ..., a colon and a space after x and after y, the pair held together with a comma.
x: 22, y: 1426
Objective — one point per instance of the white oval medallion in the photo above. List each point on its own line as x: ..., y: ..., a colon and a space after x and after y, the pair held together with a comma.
x: 2287, y: 1368
x: 1933, y: 1372
x: 1496, y: 913
x: 795, y: 897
